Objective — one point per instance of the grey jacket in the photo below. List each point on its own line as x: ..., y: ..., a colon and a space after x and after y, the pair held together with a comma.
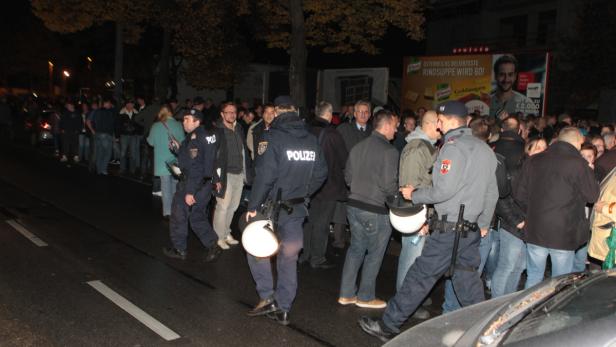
x: 464, y: 173
x: 372, y: 173
x: 417, y: 159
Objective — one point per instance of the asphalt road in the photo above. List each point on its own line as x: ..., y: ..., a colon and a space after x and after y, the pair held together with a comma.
x: 70, y: 241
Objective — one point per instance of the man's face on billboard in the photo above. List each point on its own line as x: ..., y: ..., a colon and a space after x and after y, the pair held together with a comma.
x: 506, y: 77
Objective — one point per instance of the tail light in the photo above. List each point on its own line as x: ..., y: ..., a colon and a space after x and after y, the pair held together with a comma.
x: 46, y: 126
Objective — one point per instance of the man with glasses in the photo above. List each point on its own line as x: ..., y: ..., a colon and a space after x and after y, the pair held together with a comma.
x: 234, y: 163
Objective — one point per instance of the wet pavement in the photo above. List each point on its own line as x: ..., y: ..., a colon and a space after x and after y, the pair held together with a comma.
x: 109, y: 231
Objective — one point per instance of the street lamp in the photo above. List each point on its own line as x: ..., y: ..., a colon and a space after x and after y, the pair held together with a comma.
x: 50, y: 68
x: 65, y: 76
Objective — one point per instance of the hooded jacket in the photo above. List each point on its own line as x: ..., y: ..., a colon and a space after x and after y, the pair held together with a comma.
x: 417, y: 160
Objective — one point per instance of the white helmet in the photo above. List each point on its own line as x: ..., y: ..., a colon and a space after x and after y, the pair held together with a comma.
x: 259, y: 239
x: 405, y: 216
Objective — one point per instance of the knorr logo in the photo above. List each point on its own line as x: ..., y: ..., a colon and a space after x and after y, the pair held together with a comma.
x: 414, y: 66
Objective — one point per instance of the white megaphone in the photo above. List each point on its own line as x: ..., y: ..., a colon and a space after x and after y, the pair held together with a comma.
x: 258, y: 236
x: 405, y: 216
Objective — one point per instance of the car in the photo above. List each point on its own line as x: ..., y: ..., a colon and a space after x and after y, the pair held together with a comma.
x: 40, y: 129
x: 577, y: 309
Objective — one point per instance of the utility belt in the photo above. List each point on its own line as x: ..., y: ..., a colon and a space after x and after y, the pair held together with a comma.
x: 441, y: 225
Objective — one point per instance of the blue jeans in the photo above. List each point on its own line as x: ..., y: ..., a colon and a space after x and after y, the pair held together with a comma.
x: 104, y: 148
x: 451, y: 302
x: 290, y: 234
x: 511, y: 264
x: 562, y: 262
x: 579, y: 263
x: 370, y: 234
x: 129, y: 152
x: 84, y: 146
x: 167, y: 186
x: 411, y: 249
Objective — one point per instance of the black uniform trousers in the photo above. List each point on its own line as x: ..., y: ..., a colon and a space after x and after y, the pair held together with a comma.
x: 433, y: 263
x: 195, y: 216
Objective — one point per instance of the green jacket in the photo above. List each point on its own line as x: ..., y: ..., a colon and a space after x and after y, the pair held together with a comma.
x: 159, y: 139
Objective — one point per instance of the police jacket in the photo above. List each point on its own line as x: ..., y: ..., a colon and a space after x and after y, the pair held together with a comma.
x: 507, y: 211
x: 196, y: 159
x: 221, y: 161
x: 464, y: 173
x: 554, y: 188
x: 335, y: 153
x: 372, y: 173
x: 352, y: 135
x: 289, y: 159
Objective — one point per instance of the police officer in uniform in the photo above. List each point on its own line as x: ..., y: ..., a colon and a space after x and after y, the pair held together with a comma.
x: 196, y: 158
x: 464, y: 173
x: 289, y: 158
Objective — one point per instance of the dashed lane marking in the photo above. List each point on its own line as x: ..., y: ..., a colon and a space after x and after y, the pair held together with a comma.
x: 30, y: 236
x: 135, y: 311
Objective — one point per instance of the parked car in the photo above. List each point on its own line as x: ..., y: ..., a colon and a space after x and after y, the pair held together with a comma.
x: 40, y: 128
x: 577, y: 309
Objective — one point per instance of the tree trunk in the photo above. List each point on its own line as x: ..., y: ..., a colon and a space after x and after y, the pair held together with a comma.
x: 298, y: 54
x: 163, y: 77
x: 118, y: 62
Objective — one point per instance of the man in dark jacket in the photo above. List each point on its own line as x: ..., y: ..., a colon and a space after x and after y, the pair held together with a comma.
x: 512, y: 249
x: 323, y: 204
x: 235, y: 168
x: 554, y: 188
x: 103, y: 124
x: 357, y: 130
x: 257, y: 131
x: 71, y: 125
x: 372, y: 173
x: 605, y: 163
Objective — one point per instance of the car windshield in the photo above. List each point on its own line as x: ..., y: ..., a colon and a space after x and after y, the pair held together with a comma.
x: 572, y: 306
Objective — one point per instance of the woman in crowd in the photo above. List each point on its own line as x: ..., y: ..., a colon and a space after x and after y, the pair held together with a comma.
x: 163, y: 133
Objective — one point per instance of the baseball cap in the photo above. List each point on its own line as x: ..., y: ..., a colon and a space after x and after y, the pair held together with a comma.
x: 452, y: 108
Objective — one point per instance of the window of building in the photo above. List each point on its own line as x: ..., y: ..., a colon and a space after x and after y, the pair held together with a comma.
x: 513, y: 31
x: 546, y: 27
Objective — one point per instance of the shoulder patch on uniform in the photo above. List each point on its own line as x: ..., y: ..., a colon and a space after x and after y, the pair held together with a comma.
x: 262, y: 147
x: 194, y: 152
x: 445, y: 166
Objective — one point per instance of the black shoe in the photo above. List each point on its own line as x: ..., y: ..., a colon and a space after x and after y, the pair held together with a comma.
x: 323, y: 266
x: 174, y: 253
x: 213, y: 253
x: 374, y: 327
x: 421, y: 313
x: 263, y: 307
x: 280, y: 316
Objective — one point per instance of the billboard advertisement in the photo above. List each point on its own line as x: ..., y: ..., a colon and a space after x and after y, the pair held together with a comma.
x: 490, y: 84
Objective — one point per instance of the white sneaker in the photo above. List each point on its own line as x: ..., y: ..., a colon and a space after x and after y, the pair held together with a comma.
x: 64, y: 159
x: 76, y: 159
x: 222, y: 244
x: 158, y: 193
x: 230, y: 240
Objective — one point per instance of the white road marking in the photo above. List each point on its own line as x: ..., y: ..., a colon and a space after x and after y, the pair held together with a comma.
x: 30, y: 236
x: 135, y: 311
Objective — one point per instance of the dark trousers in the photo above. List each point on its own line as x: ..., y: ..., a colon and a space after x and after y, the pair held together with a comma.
x: 290, y: 237
x: 70, y: 144
x: 316, y: 231
x: 432, y: 265
x: 195, y: 216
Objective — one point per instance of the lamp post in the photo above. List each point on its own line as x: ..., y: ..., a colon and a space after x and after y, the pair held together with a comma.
x: 50, y: 68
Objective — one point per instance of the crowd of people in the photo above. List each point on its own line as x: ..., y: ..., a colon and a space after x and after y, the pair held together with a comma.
x: 528, y: 184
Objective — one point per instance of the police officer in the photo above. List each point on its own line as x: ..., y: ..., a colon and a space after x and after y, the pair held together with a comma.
x: 195, y: 157
x: 289, y: 159
x: 464, y: 173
